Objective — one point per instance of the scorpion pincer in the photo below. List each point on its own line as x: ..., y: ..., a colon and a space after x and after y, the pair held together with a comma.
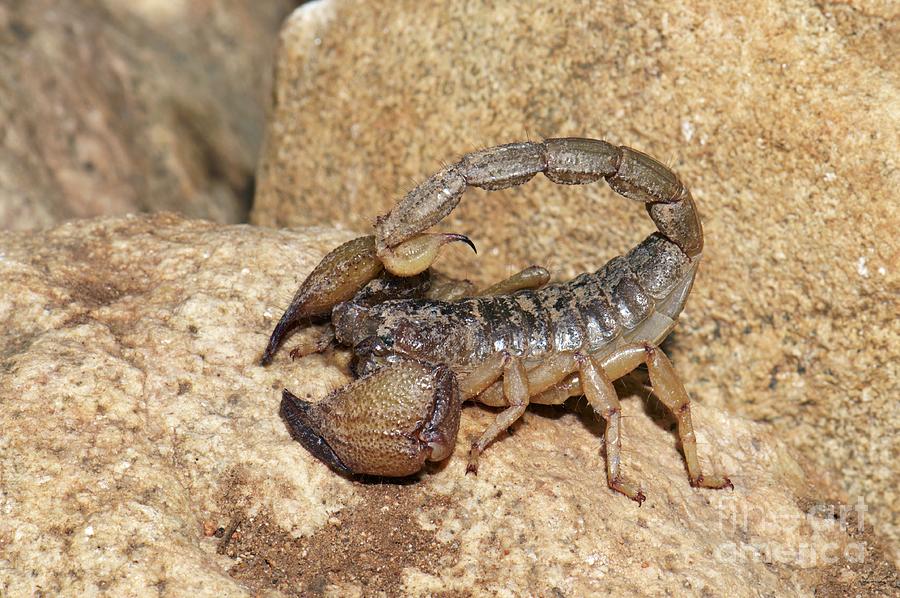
x: 423, y: 344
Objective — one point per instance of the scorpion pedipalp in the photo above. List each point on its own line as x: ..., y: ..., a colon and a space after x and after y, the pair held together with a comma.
x: 386, y: 423
x: 338, y: 277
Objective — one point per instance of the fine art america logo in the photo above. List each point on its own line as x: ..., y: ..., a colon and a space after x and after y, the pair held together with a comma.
x: 825, y: 534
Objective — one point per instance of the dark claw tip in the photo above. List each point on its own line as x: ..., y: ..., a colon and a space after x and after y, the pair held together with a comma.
x: 473, y: 469
x: 640, y: 498
x: 287, y: 321
x: 298, y: 414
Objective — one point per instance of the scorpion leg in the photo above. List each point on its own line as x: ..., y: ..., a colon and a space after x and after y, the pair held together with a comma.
x: 515, y: 392
x: 486, y: 375
x: 322, y: 342
x: 566, y: 374
x: 559, y: 393
x: 555, y: 379
x: 545, y: 380
x: 533, y: 277
x: 444, y: 288
x: 669, y: 389
x: 599, y: 391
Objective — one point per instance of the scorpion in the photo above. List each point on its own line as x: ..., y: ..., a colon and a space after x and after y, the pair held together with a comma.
x: 422, y: 343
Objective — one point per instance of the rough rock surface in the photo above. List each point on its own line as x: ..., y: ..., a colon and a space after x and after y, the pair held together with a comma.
x: 782, y: 117
x: 115, y: 106
x: 137, y: 428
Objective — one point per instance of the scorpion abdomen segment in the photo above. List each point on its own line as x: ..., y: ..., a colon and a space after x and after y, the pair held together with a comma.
x: 619, y: 283
x: 659, y: 265
x: 506, y: 323
x: 536, y: 325
x: 578, y: 161
x: 424, y: 206
x: 643, y: 178
x: 680, y: 222
x: 564, y: 320
x: 503, y: 166
x: 597, y: 313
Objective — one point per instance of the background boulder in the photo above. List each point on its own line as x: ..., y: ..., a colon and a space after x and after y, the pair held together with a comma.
x: 783, y: 119
x: 116, y: 106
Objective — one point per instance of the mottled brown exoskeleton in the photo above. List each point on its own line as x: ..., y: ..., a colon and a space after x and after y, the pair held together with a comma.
x: 423, y: 344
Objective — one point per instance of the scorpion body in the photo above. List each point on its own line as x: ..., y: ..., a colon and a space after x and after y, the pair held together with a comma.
x: 594, y: 313
x: 422, y: 347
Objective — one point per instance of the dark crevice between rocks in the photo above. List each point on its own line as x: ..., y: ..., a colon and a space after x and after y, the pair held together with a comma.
x: 217, y: 167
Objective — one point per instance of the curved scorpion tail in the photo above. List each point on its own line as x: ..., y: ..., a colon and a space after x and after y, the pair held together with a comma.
x: 338, y: 277
x: 566, y: 161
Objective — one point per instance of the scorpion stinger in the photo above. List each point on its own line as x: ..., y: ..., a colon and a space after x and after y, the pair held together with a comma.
x: 416, y: 254
x: 522, y: 341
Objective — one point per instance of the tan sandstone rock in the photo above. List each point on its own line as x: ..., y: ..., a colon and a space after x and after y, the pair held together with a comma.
x: 137, y: 427
x: 115, y: 106
x: 782, y: 117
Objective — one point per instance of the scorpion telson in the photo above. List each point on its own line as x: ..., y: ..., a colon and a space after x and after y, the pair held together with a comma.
x: 423, y: 344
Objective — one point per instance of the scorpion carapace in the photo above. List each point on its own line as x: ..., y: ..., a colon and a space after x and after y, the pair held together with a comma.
x: 423, y: 344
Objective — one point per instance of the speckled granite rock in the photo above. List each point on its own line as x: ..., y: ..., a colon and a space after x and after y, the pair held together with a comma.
x: 137, y: 427
x: 115, y: 106
x: 783, y: 118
